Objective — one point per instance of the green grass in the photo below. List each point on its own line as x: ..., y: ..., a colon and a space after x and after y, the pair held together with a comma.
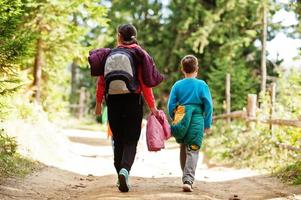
x: 291, y: 173
x: 16, y: 165
x: 233, y: 144
x: 11, y: 162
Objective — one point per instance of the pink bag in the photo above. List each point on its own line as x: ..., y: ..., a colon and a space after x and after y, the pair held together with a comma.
x: 157, y: 130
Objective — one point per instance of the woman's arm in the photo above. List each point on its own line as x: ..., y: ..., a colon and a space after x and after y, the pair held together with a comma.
x: 100, y: 90
x: 147, y: 94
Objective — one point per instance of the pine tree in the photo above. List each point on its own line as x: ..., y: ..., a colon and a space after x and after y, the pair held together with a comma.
x: 14, y: 44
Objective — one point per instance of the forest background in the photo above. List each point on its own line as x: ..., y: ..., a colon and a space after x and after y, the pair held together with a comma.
x: 44, y: 46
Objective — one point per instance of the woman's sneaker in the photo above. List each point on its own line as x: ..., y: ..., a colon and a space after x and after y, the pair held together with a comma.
x: 123, y: 177
x: 187, y: 186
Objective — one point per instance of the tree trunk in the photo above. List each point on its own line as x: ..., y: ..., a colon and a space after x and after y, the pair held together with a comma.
x: 81, y: 106
x: 73, y: 78
x: 170, y: 54
x: 37, y: 73
x: 263, y: 50
x: 228, y: 95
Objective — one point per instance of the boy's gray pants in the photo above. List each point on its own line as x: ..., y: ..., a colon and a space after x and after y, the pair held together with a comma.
x: 188, y: 161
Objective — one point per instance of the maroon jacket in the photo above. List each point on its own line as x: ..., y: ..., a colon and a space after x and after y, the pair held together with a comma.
x: 150, y: 75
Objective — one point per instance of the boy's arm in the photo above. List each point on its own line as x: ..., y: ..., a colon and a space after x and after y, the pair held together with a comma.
x: 172, y: 102
x: 208, y: 108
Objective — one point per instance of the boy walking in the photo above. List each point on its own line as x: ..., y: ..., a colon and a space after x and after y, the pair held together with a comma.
x: 190, y: 107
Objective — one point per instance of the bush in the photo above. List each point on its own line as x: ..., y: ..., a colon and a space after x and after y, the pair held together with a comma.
x: 291, y: 173
x: 11, y: 163
x: 258, y: 147
x: 7, y: 145
x: 236, y: 145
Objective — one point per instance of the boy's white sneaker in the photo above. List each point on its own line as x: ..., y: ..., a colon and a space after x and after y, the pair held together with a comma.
x: 187, y: 187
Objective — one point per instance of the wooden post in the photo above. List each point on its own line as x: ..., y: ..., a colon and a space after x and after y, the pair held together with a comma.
x: 251, y: 109
x: 263, y: 48
x: 228, y: 96
x: 252, y: 105
x: 81, y: 106
x: 272, y: 99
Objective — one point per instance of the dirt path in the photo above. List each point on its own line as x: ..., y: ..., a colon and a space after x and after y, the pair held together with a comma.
x: 85, y: 172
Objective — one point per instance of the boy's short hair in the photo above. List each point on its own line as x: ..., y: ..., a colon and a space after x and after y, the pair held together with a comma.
x: 189, y: 64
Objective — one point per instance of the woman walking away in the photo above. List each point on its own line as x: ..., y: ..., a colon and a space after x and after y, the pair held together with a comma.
x: 128, y: 72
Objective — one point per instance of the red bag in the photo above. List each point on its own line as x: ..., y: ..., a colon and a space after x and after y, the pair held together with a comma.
x: 157, y: 130
x: 165, y: 125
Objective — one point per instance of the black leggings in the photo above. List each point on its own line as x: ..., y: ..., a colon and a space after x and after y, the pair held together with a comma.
x: 124, y: 155
x: 125, y: 113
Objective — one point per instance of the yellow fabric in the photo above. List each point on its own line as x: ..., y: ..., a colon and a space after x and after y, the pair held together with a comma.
x: 179, y: 114
x: 194, y: 147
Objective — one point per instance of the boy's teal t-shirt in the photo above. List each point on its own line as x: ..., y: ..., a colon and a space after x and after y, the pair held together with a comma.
x: 191, y: 91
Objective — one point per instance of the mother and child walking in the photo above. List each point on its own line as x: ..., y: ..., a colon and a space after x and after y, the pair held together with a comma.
x: 126, y: 76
